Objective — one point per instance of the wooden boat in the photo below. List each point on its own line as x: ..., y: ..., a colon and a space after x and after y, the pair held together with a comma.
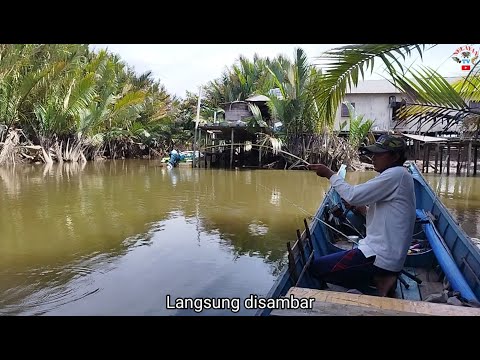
x: 441, y: 270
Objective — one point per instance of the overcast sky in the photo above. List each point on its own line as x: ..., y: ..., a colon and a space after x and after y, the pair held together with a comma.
x: 182, y: 67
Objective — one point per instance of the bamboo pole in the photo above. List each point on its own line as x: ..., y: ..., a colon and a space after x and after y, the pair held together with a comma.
x: 441, y: 159
x: 475, y: 157
x: 448, y: 159
x: 459, y: 152
x: 424, y: 156
x: 428, y: 156
x: 231, y: 152
x: 194, y: 145
x: 469, y: 157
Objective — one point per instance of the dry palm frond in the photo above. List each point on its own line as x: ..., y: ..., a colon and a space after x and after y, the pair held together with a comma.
x: 9, y: 147
x: 329, y: 149
x: 274, y: 142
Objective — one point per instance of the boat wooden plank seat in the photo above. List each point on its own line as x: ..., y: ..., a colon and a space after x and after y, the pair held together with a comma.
x: 445, y: 260
x: 301, y: 253
x: 332, y: 303
x: 408, y: 289
x: 431, y: 283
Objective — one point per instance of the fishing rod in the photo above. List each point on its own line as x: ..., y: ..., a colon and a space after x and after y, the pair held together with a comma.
x: 313, y: 216
x: 339, y: 208
x: 307, y: 163
x: 259, y: 145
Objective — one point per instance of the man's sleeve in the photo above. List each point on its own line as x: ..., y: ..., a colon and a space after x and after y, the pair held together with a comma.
x: 376, y: 189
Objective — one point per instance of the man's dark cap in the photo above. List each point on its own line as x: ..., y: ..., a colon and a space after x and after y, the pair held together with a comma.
x: 386, y: 143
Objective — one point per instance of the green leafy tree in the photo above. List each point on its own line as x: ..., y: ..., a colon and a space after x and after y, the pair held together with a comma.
x: 359, y: 127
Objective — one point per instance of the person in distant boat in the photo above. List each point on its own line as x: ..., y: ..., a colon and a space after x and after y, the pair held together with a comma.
x: 174, y: 159
x: 388, y: 202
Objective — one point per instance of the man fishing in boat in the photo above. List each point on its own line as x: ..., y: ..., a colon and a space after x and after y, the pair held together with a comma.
x: 388, y: 202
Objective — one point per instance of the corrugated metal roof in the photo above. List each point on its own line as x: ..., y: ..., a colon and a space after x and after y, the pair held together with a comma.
x: 382, y: 87
x: 374, y: 87
x: 425, y: 138
x: 258, y: 98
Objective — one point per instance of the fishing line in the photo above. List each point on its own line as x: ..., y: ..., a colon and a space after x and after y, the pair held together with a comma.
x: 291, y: 202
x: 309, y: 214
x: 258, y: 145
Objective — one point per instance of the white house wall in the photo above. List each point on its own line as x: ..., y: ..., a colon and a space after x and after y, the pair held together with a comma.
x: 372, y: 106
x: 371, y: 98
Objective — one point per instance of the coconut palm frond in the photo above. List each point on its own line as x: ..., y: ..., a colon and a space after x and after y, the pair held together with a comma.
x: 468, y: 88
x: 84, y: 121
x: 47, y: 118
x: 344, y: 66
x: 278, y: 78
x: 275, y: 108
x: 130, y: 99
x: 413, y: 112
x: 430, y: 98
x: 31, y: 79
x: 98, y: 63
x: 359, y: 127
x: 160, y: 111
x: 415, y: 116
x: 428, y: 87
x: 80, y: 95
x: 301, y: 69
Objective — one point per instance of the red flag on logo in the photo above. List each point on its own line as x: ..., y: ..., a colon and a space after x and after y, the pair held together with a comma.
x: 465, y: 67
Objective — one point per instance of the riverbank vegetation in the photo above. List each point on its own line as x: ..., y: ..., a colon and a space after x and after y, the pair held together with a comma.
x: 64, y: 102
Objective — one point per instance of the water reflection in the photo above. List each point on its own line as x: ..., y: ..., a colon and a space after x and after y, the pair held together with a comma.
x: 110, y: 238
x: 461, y: 195
x: 74, y: 234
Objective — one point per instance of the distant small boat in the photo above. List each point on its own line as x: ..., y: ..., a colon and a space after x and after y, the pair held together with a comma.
x: 442, y: 267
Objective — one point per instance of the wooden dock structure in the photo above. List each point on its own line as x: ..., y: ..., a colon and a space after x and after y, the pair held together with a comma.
x: 230, y: 146
x: 444, y: 154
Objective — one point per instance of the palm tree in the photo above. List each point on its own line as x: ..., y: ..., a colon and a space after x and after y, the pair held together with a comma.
x: 344, y: 66
x: 238, y: 83
x: 359, y: 127
x: 431, y: 99
x: 295, y: 107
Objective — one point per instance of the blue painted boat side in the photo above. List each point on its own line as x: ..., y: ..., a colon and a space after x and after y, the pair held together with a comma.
x: 318, y: 230
x: 466, y: 256
x: 320, y: 245
x: 279, y: 288
x: 445, y: 259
